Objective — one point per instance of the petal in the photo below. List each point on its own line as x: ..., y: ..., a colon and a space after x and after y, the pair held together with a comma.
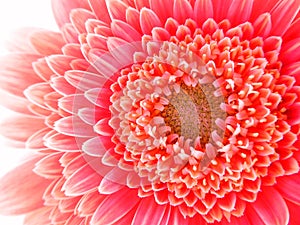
x: 62, y: 8
x: 82, y: 181
x: 79, y: 17
x: 49, y: 167
x: 18, y: 40
x: 61, y: 142
x: 85, y: 80
x: 47, y: 42
x: 177, y: 218
x: 39, y: 216
x: 21, y: 189
x: 182, y: 10
x: 99, y: 97
x: 74, y: 126
x: 271, y: 207
x: 89, y: 203
x: 59, y: 84
x: 157, y: 7
x: 36, y: 93
x: 292, y: 32
x: 115, y: 206
x: 203, y: 10
x: 125, y: 31
x: 19, y: 128
x: 239, y: 11
x: 294, y: 210
x: 283, y: 15
x: 100, y: 10
x: 93, y: 114
x: 288, y: 186
x: 149, y: 210
x: 72, y: 103
x: 290, y: 51
x: 263, y: 25
x: 15, y: 103
x: 117, y: 9
x: 149, y: 20
x: 221, y: 9
x: 17, y: 73
x: 97, y: 146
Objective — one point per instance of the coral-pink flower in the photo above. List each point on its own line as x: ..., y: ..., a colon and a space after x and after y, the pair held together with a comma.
x: 156, y: 112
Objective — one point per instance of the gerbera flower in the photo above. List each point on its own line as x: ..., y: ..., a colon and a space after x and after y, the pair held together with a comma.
x: 156, y: 112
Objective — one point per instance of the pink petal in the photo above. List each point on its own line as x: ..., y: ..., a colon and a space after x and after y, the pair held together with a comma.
x: 18, y: 40
x: 293, y: 115
x: 21, y: 189
x: 59, y: 84
x: 92, y: 115
x: 263, y: 25
x: 62, y: 9
x: 17, y: 73
x: 36, y: 141
x: 69, y: 33
x: 72, y: 103
x: 148, y: 210
x: 61, y: 142
x: 97, y: 146
x: 157, y: 7
x: 283, y: 15
x: 75, y: 220
x: 259, y: 8
x: 203, y: 10
x: 239, y: 11
x: 141, y: 3
x: 221, y: 8
x: 115, y: 207
x: 292, y: 31
x: 177, y: 218
x: 74, y: 126
x: 97, y: 41
x: 79, y: 17
x: 49, y: 167
x: 89, y: 203
x: 35, y: 93
x: 99, y: 97
x: 288, y: 186
x: 82, y: 181
x: 117, y: 9
x: 109, y: 187
x: 47, y: 42
x: 103, y: 128
x: 14, y: 103
x: 149, y: 20
x: 132, y: 16
x: 100, y: 10
x: 290, y: 51
x: 39, y: 216
x: 294, y: 210
x: 21, y: 127
x: 85, y: 80
x: 182, y: 10
x: 59, y: 63
x: 271, y: 207
x: 42, y: 69
x: 125, y: 31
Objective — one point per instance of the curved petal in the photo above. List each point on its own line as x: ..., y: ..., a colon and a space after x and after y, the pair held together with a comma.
x: 271, y: 207
x: 239, y: 11
x: 294, y: 210
x: 149, y: 210
x: 288, y: 186
x: 21, y: 189
x: 62, y: 8
x: 115, y: 206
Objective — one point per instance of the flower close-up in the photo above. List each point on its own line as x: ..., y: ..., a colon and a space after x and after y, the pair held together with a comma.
x: 179, y: 112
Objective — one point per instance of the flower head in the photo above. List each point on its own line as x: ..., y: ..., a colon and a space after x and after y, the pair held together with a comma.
x: 161, y: 112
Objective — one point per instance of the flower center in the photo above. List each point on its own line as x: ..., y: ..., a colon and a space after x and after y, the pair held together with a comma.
x: 188, y: 114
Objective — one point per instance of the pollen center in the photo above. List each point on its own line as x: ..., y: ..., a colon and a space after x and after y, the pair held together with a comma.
x: 188, y: 113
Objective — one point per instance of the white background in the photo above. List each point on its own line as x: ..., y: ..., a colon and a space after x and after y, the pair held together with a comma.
x: 15, y: 14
